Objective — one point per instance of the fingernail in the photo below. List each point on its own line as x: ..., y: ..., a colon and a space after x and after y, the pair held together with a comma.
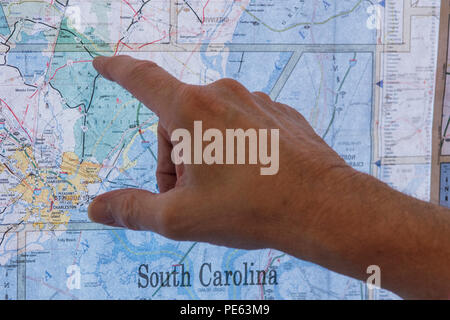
x: 99, y: 211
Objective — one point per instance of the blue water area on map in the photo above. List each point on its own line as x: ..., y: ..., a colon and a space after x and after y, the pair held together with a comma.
x: 258, y: 71
x: 108, y: 261
x: 298, y: 22
x: 212, y: 61
x: 4, y: 27
x: 32, y: 64
x: 110, y: 265
x: 444, y: 195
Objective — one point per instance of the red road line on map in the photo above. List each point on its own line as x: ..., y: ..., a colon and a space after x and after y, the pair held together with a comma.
x: 187, y: 61
x: 78, y: 246
x: 207, y: 2
x: 49, y: 63
x: 56, y: 71
x: 17, y: 119
x: 25, y: 114
x: 261, y: 286
x: 10, y: 171
x: 31, y: 97
x: 141, y: 46
x: 153, y: 42
x: 127, y: 45
x: 135, y: 12
x: 21, y: 181
x: 24, y: 181
x: 65, y: 292
x: 65, y: 65
x: 117, y: 47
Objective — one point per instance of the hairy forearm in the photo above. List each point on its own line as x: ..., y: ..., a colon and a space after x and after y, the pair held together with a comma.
x: 316, y: 207
x: 364, y: 222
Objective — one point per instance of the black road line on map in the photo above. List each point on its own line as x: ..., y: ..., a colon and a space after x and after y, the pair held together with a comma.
x: 81, y: 41
x: 93, y: 92
x: 180, y: 262
x: 61, y: 3
x: 123, y: 185
x: 20, y: 73
x: 337, y: 98
x: 240, y: 62
x: 86, y: 110
x: 65, y: 30
x: 4, y: 235
x: 114, y: 163
x: 200, y: 20
x: 4, y: 209
x: 10, y: 171
x: 12, y: 32
x: 12, y: 203
x: 9, y: 37
x: 144, y: 3
x: 7, y: 45
x: 67, y: 104
x: 39, y: 22
x: 8, y: 230
x: 133, y: 22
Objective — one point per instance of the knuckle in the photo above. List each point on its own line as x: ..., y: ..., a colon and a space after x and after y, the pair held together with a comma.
x: 197, y: 101
x: 130, y: 212
x: 262, y: 95
x: 233, y: 93
x: 185, y: 101
x: 141, y: 69
x: 230, y: 84
x: 289, y: 109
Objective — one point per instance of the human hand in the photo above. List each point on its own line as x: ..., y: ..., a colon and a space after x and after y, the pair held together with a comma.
x: 231, y: 205
x: 315, y: 207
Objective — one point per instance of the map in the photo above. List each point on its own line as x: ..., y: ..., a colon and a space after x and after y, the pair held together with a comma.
x: 362, y: 73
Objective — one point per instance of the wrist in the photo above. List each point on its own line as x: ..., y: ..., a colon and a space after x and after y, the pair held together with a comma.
x: 313, y: 222
x: 345, y: 221
x: 365, y: 223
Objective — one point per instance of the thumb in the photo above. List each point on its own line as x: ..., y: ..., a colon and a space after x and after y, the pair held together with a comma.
x: 134, y: 209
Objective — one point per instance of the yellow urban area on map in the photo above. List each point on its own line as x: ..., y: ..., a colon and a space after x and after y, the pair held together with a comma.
x: 39, y: 190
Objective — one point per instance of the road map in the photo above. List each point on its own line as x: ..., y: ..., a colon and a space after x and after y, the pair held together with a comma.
x: 361, y: 72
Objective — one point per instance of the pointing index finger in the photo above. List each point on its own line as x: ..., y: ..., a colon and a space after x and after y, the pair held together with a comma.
x: 145, y: 80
